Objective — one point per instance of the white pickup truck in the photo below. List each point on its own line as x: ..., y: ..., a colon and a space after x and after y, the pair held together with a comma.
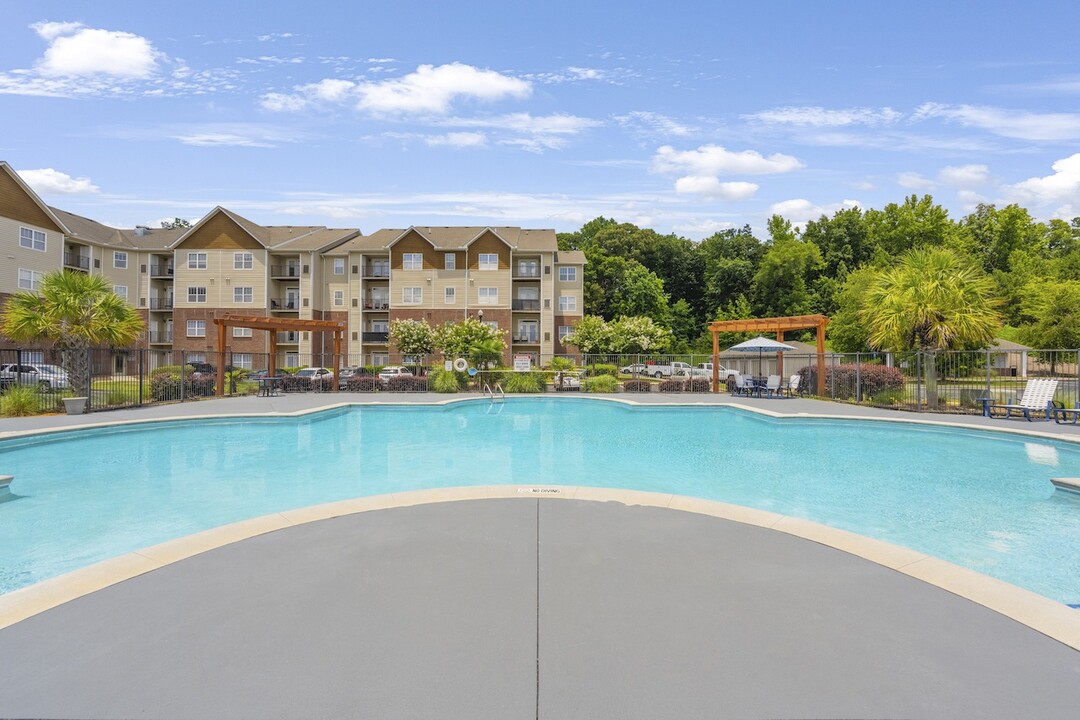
x: 704, y: 370
x: 658, y: 371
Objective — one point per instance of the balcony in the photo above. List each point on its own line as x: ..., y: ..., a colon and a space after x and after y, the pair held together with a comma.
x: 161, y: 271
x: 288, y: 304
x: 161, y: 303
x: 75, y: 260
x: 377, y: 304
x: 376, y: 337
x: 526, y: 273
x: 284, y: 272
x: 289, y: 337
x: 525, y: 340
x: 525, y: 305
x: 377, y: 271
x: 160, y: 337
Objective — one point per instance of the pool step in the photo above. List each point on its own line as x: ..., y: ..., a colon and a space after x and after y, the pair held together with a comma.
x: 5, y: 487
x: 1071, y: 485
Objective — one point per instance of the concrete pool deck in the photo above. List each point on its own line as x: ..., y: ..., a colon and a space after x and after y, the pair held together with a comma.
x: 576, y: 603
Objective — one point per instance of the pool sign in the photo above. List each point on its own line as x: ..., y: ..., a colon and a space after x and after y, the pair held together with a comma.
x: 522, y: 363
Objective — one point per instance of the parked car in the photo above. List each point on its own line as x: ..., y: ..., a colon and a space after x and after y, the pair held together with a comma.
x: 47, y: 377
x: 704, y: 370
x: 635, y: 369
x: 315, y: 374
x: 393, y: 371
x: 349, y: 372
x: 657, y: 370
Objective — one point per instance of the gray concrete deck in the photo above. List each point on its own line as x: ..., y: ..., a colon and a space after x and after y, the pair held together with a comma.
x: 522, y: 607
x: 530, y: 608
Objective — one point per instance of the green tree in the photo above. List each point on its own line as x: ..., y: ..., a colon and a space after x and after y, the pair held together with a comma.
x: 174, y: 224
x: 783, y: 281
x: 75, y: 312
x: 731, y: 259
x: 931, y: 300
x: 847, y: 331
x: 455, y: 339
x: 637, y: 335
x: 413, y: 337
x: 916, y: 223
x: 591, y: 335
x: 639, y: 291
x: 1055, y: 306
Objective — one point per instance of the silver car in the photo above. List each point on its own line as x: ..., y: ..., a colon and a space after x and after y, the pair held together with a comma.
x: 47, y: 377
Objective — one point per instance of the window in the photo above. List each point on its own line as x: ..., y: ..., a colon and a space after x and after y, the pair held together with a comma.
x: 489, y: 261
x: 412, y: 261
x: 292, y: 360
x: 32, y: 239
x: 196, y: 328
x: 194, y: 358
x: 380, y: 326
x: 412, y: 295
x: 241, y: 332
x: 119, y: 260
x: 567, y: 302
x: 568, y: 274
x: 565, y: 330
x: 242, y: 360
x: 339, y: 266
x: 120, y: 290
x: 242, y: 295
x: 339, y: 297
x: 243, y: 261
x: 488, y: 296
x: 450, y: 296
x: 449, y: 261
x: 196, y: 294
x: 29, y: 279
x: 196, y: 261
x: 493, y: 324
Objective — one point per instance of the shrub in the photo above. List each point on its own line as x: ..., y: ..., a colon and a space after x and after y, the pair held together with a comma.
x: 173, y: 369
x: 699, y: 385
x: 324, y: 384
x: 842, y: 381
x: 407, y: 383
x: 165, y: 386
x: 637, y: 386
x: 444, y: 381
x: 673, y: 386
x: 604, y: 369
x: 291, y: 383
x: 19, y: 401
x: 202, y: 386
x: 362, y: 383
x: 601, y: 384
x: 524, y: 382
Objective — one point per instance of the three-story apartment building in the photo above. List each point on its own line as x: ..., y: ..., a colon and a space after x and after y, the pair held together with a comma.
x: 181, y: 279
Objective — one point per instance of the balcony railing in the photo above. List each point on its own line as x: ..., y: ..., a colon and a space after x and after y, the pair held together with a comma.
x: 284, y: 271
x: 527, y: 273
x: 376, y: 271
x: 288, y: 337
x: 531, y: 305
x: 376, y: 337
x: 75, y: 260
x: 290, y: 304
x: 158, y: 337
x: 161, y: 270
x: 161, y: 303
x: 377, y: 304
x: 525, y: 339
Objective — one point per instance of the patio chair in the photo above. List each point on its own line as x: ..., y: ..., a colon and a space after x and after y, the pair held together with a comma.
x: 792, y: 388
x: 745, y: 385
x: 774, y: 386
x: 1038, y: 397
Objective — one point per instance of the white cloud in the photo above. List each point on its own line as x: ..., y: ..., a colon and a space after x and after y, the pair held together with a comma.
x: 964, y: 176
x: 77, y: 51
x: 51, y: 30
x: 1063, y: 185
x: 800, y: 211
x: 218, y: 139
x: 274, y: 36
x: 914, y: 181
x: 432, y: 89
x: 457, y: 140
x: 711, y: 187
x: 865, y: 184
x: 702, y: 228
x: 821, y: 117
x: 1016, y: 124
x: 716, y: 160
x: 652, y: 123
x: 279, y: 102
x: 380, y: 60
x: 569, y: 74
x: 47, y: 181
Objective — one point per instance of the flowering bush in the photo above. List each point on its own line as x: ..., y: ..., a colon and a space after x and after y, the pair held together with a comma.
x: 673, y: 386
x: 637, y: 386
x: 362, y: 383
x: 406, y: 383
x: 843, y: 381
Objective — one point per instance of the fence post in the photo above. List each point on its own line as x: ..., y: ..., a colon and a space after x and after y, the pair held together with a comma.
x: 183, y: 364
x: 89, y: 376
x: 858, y: 378
x: 142, y: 370
x: 918, y: 381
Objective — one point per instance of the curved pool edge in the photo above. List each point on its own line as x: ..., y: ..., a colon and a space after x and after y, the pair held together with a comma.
x: 1039, y: 613
x: 674, y: 402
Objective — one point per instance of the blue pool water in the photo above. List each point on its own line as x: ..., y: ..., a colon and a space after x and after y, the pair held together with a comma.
x: 981, y: 500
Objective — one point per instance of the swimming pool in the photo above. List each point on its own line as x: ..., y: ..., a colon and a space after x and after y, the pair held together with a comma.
x: 978, y: 499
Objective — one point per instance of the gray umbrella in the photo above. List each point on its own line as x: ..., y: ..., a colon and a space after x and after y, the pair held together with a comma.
x: 760, y: 345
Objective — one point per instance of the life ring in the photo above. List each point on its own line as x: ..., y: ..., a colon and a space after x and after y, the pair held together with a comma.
x: 461, y: 364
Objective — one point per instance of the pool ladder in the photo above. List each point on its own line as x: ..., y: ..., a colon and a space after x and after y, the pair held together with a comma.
x: 496, y: 393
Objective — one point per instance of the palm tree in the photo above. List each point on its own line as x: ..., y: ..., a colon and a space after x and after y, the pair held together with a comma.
x: 931, y: 300
x: 75, y: 312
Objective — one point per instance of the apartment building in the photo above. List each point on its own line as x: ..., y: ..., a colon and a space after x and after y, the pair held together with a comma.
x: 514, y: 279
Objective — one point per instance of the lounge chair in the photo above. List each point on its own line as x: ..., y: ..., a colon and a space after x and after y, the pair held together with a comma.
x: 792, y: 388
x: 1038, y: 397
x: 773, y: 386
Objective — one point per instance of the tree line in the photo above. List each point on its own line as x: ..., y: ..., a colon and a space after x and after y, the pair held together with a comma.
x: 1021, y: 275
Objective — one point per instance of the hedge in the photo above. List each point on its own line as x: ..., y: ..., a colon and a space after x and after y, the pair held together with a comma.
x: 841, y: 381
x: 637, y: 386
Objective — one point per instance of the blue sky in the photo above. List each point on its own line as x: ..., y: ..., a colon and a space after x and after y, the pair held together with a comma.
x: 686, y: 118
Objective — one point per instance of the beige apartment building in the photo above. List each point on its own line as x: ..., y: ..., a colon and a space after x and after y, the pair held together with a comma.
x: 181, y: 279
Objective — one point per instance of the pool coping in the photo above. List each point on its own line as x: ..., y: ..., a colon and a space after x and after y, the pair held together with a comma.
x: 1039, y: 613
x: 1047, y: 616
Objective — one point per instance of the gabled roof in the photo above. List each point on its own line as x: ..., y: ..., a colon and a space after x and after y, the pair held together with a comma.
x: 81, y: 228
x: 319, y: 239
x: 33, y: 197
x: 87, y: 230
x: 1006, y: 345
x: 570, y: 257
x: 278, y: 237
x: 246, y: 225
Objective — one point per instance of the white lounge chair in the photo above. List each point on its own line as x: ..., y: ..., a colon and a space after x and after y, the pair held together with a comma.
x: 773, y: 386
x: 1038, y: 397
x: 792, y: 388
x: 744, y: 385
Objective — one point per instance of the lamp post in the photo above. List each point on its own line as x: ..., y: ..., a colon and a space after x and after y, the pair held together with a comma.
x: 480, y: 315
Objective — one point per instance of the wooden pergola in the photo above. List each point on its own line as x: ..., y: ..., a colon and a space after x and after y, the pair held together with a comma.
x: 272, y: 325
x: 779, y: 326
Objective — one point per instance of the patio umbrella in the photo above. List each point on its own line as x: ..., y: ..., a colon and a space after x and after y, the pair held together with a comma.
x: 760, y: 345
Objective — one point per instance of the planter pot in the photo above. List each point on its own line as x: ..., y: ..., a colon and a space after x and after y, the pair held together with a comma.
x: 75, y: 405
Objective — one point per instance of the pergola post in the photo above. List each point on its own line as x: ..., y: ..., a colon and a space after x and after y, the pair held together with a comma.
x: 715, y: 361
x: 272, y: 360
x: 780, y: 355
x: 821, y: 356
x: 337, y: 355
